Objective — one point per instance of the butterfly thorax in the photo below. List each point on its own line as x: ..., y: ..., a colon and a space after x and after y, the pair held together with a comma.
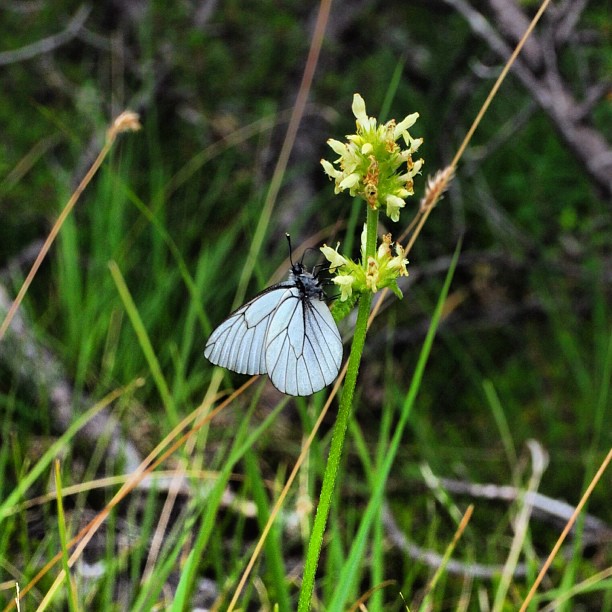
x: 307, y: 283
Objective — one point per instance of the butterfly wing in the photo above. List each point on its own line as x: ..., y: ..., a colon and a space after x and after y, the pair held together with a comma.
x: 303, y: 351
x: 238, y: 343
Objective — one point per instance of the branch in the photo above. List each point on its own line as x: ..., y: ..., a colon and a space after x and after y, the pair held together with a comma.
x: 545, y: 507
x: 37, y: 369
x: 45, y: 45
x: 433, y: 559
x: 549, y: 89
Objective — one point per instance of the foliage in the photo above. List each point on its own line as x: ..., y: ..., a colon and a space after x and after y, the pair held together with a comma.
x: 523, y: 350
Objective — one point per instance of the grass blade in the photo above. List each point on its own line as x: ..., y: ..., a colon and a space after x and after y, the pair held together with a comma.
x: 345, y: 580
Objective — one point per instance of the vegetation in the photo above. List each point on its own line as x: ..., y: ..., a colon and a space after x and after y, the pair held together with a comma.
x: 494, y: 369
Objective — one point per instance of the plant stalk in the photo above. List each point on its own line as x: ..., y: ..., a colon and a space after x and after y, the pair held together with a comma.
x: 339, y: 433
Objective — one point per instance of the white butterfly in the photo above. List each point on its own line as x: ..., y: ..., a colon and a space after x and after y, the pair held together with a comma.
x: 286, y: 332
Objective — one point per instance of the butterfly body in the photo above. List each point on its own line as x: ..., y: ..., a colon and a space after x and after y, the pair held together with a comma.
x: 287, y: 332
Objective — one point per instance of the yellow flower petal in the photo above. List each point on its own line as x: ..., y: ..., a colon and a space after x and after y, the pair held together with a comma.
x: 335, y: 259
x: 345, y: 282
x: 350, y: 181
x: 337, y: 146
x: 359, y: 110
x: 394, y: 204
x: 404, y: 124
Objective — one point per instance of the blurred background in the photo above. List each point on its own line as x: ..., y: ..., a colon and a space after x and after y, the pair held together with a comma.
x: 524, y: 349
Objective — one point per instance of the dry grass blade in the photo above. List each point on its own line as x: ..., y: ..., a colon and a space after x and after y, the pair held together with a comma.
x: 126, y: 121
x: 566, y: 530
x: 152, y: 461
x: 447, y: 555
x: 539, y: 460
x: 359, y: 604
x: 439, y: 183
x: 498, y: 82
x: 281, y: 498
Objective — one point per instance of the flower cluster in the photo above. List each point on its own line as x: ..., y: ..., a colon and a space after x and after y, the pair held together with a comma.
x: 378, y: 272
x: 370, y: 163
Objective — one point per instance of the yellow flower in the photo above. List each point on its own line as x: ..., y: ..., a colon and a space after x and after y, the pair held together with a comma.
x: 345, y: 282
x: 372, y: 276
x: 394, y: 205
x: 335, y: 259
x: 359, y: 110
x: 369, y: 163
x: 401, y: 129
x: 378, y: 272
x: 399, y: 262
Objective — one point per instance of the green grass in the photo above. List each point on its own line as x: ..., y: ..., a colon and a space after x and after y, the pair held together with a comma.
x: 121, y: 326
x: 152, y: 259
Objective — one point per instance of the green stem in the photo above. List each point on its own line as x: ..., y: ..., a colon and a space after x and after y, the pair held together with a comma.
x: 339, y: 434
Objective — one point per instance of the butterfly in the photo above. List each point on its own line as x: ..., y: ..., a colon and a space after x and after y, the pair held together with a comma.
x: 287, y: 332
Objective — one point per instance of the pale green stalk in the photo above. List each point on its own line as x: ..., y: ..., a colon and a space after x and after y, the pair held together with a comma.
x: 339, y: 434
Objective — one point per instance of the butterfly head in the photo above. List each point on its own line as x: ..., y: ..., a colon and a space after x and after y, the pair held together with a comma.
x: 308, y: 283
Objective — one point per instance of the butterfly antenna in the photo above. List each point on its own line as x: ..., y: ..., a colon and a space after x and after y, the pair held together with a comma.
x: 290, y: 249
x: 307, y: 251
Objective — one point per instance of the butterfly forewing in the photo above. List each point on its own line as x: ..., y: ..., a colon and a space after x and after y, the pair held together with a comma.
x: 238, y: 343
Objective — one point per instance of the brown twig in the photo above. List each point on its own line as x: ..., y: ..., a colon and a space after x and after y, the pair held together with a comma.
x: 434, y: 559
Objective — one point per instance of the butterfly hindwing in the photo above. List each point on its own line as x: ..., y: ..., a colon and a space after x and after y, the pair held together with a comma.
x: 322, y: 333
x: 304, y: 350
